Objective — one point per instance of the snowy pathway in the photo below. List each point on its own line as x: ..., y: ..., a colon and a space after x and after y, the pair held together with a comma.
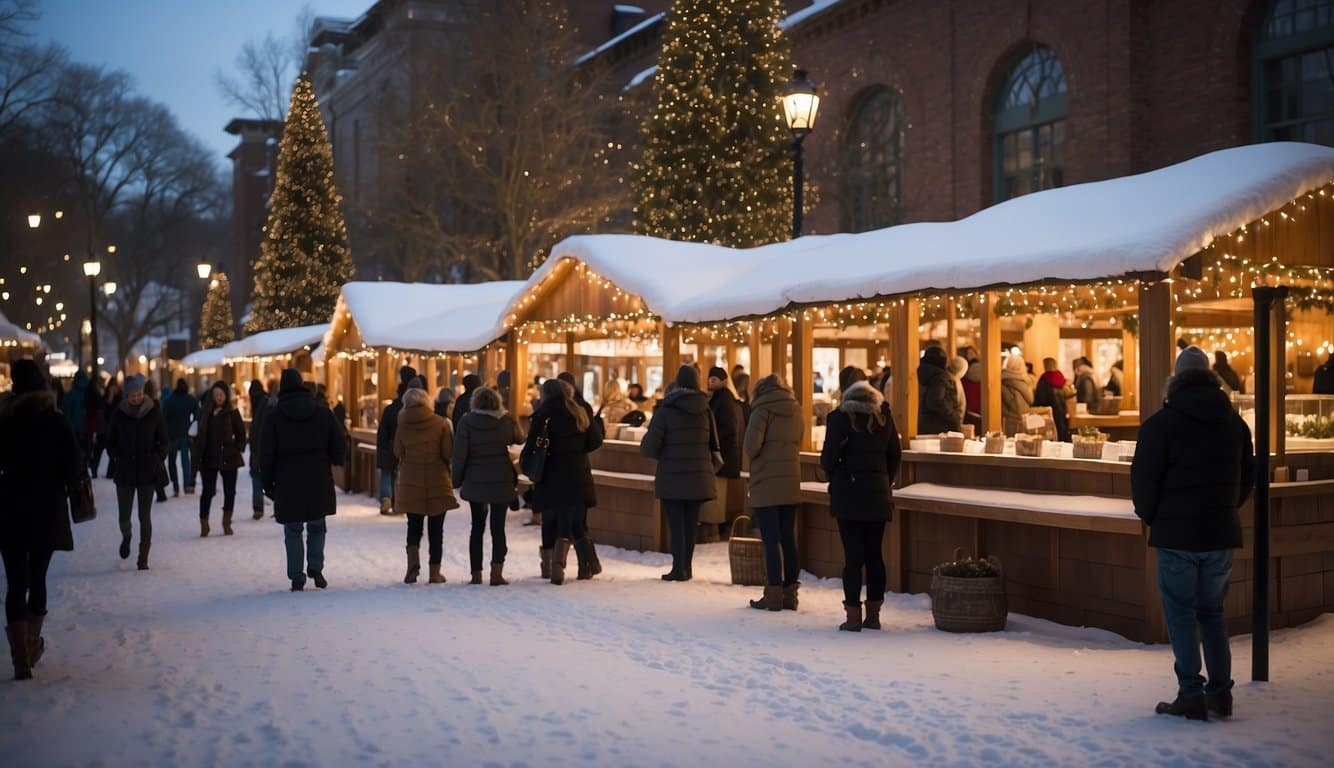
x: 207, y: 659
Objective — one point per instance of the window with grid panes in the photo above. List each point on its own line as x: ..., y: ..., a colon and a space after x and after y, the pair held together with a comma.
x: 1029, y: 125
x: 1294, y: 72
x: 872, y: 154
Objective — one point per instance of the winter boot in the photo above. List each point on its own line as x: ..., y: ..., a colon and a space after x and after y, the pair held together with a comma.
x: 258, y: 513
x: 143, y: 555
x: 498, y: 575
x: 318, y: 578
x: 37, y: 645
x: 854, y: 622
x: 790, y: 596
x: 161, y: 494
x: 18, y: 649
x: 203, y: 527
x: 226, y: 522
x: 594, y: 564
x: 558, y: 557
x: 386, y: 506
x: 414, y: 565
x: 298, y: 585
x: 1219, y: 703
x: 125, y: 546
x: 588, y: 559
x: 1193, y: 708
x: 546, y: 562
x: 872, y: 620
x: 189, y: 490
x: 476, y: 578
x: 772, y: 600
x: 436, y: 576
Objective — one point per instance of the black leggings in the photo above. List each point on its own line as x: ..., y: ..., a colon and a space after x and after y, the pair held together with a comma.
x: 564, y: 522
x: 862, y: 549
x: 499, y: 547
x: 211, y: 489
x: 435, y: 534
x: 25, y: 577
x: 682, y: 522
x: 125, y: 501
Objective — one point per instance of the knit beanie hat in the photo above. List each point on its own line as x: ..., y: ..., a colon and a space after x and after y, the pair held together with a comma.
x: 717, y: 373
x: 290, y: 380
x: 406, y: 374
x: 28, y: 376
x: 934, y: 356
x: 136, y: 384
x: 687, y: 377
x: 1191, y: 359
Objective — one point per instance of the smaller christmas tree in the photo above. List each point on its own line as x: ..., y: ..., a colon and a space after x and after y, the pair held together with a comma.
x: 215, y: 320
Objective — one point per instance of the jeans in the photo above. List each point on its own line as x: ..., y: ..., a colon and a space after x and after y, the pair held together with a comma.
x: 314, y: 554
x: 256, y: 490
x: 499, y: 547
x: 25, y: 579
x: 435, y: 530
x: 862, y: 541
x: 387, y: 484
x: 180, y: 445
x: 778, y: 532
x: 125, y: 500
x: 1193, y: 586
x: 565, y: 522
x: 211, y: 489
x: 682, y: 521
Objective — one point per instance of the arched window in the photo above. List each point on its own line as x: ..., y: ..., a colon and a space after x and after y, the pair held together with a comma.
x: 1294, y: 72
x: 1029, y: 125
x: 871, y: 194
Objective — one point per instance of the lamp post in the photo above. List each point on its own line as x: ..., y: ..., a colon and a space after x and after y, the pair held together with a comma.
x: 91, y: 269
x: 34, y: 220
x: 800, y: 105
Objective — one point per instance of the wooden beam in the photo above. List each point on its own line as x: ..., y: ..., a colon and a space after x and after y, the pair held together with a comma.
x: 385, y: 386
x: 1157, y: 345
x: 990, y: 343
x: 803, y: 383
x: 671, y: 352
x: 778, y: 357
x: 569, y: 354
x: 516, y: 357
x: 904, y: 351
x: 951, y: 329
x: 1129, y: 370
x: 758, y: 368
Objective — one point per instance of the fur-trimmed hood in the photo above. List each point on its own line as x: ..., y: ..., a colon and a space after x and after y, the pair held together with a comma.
x: 861, y: 397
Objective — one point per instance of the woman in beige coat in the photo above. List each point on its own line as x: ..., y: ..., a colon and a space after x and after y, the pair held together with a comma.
x: 773, y: 438
x: 614, y: 404
x: 423, y: 445
x: 1016, y: 395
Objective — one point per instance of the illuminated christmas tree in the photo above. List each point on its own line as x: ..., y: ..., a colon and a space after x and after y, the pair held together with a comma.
x: 304, y: 259
x: 215, y: 320
x: 716, y: 167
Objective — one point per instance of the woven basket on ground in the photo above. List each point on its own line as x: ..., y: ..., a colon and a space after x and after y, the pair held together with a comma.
x: 746, y: 555
x: 969, y: 604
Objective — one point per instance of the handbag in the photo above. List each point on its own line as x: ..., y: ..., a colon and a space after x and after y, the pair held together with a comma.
x: 193, y: 429
x: 533, y: 462
x: 822, y: 476
x: 82, y: 508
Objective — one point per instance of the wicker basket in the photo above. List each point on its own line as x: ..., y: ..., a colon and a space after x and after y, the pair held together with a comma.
x: 1027, y: 445
x: 746, y: 555
x: 1088, y: 447
x: 994, y: 443
x: 950, y: 444
x: 969, y: 604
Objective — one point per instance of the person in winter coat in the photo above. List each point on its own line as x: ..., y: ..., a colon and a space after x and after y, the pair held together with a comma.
x: 861, y: 456
x: 444, y: 403
x: 1052, y: 391
x: 956, y: 368
x: 217, y: 450
x: 39, y: 459
x: 1086, y: 386
x: 259, y: 405
x: 384, y: 441
x: 1323, y: 383
x: 178, y: 410
x: 565, y: 490
x: 614, y: 403
x: 772, y: 443
x: 684, y: 441
x: 1231, y: 381
x: 730, y: 425
x: 95, y: 423
x: 1016, y: 395
x: 937, y: 408
x: 1115, y: 379
x: 470, y: 384
x: 423, y: 445
x: 137, y: 444
x: 1192, y: 471
x: 584, y: 550
x: 300, y: 446
x: 74, y: 408
x: 150, y: 391
x: 485, y: 476
x: 972, y: 393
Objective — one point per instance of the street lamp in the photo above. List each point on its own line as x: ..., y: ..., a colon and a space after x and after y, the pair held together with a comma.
x: 800, y: 105
x: 203, y: 269
x: 109, y: 288
x: 91, y: 269
x: 34, y: 220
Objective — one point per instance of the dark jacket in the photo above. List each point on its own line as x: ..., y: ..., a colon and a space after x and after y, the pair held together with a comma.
x: 1229, y: 377
x: 773, y: 444
x: 385, y: 460
x: 938, y: 401
x: 300, y: 446
x: 178, y: 410
x: 567, y: 477
x: 72, y: 404
x: 1054, y: 397
x: 137, y: 440
x: 861, y: 463
x: 482, y: 468
x: 1324, y: 379
x: 1193, y: 468
x: 38, y: 458
x: 221, y: 439
x: 1086, y: 387
x: 94, y: 410
x: 682, y: 437
x: 463, y: 403
x: 728, y: 420
x: 259, y: 412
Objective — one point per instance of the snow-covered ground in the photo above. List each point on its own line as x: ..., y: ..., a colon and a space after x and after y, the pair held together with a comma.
x: 207, y: 659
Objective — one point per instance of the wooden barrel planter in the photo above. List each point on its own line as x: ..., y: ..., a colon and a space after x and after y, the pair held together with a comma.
x: 969, y: 603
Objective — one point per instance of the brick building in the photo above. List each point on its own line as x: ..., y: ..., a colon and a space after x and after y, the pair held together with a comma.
x: 253, y: 162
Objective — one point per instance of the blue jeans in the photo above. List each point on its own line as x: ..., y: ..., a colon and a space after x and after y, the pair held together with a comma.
x: 1193, y: 586
x: 314, y: 548
x: 387, y: 484
x: 778, y: 532
x: 180, y: 445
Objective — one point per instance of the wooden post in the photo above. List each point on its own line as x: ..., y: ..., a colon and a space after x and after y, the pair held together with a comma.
x: 1157, y: 345
x: 803, y: 384
x: 569, y: 354
x: 432, y: 373
x: 516, y: 357
x: 904, y: 353
x: 1129, y: 370
x: 951, y: 327
x: 491, y: 364
x: 385, y: 386
x: 779, y: 359
x: 671, y: 351
x: 458, y: 366
x: 758, y: 369
x: 990, y: 343
x: 351, y: 386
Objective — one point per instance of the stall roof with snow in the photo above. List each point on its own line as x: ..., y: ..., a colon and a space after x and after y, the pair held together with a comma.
x: 13, y: 336
x: 420, y: 317
x: 267, y: 345
x: 203, y: 359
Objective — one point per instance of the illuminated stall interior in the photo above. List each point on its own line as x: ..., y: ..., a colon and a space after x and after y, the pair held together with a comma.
x: 202, y: 368
x: 263, y: 356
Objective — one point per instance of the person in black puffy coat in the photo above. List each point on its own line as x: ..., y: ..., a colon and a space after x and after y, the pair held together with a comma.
x: 861, y: 456
x: 385, y: 460
x: 730, y: 424
x: 565, y: 489
x: 485, y: 477
x: 938, y: 407
x: 137, y: 444
x: 218, y: 450
x: 1192, y: 471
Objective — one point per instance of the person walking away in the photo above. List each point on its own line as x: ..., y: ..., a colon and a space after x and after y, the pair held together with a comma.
x: 444, y: 403
x: 683, y: 440
x: 218, y: 451
x: 299, y: 448
x: 1192, y: 471
x: 584, y: 550
x: 937, y: 410
x: 1231, y: 381
x: 74, y: 406
x: 1086, y: 386
x: 565, y: 490
x: 772, y: 443
x: 861, y: 456
x: 464, y: 402
x: 1052, y: 391
x: 1323, y: 383
x: 1016, y: 395
x: 259, y: 405
x: 150, y: 391
x: 423, y: 445
x: 485, y: 477
x: 730, y: 426
x: 385, y: 460
x: 39, y: 459
x: 178, y: 410
x: 956, y: 368
x: 137, y: 446
x: 614, y: 403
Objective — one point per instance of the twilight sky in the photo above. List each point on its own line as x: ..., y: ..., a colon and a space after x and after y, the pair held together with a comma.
x: 173, y: 47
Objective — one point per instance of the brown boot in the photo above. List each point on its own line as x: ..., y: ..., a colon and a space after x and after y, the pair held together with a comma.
x: 546, y: 563
x: 226, y: 522
x: 36, y: 644
x: 790, y: 596
x: 854, y: 622
x: 872, y: 620
x: 498, y: 575
x: 18, y: 649
x: 476, y: 578
x: 436, y: 576
x: 772, y: 600
x: 414, y: 565
x: 203, y: 527
x: 558, y: 556
x: 143, y: 555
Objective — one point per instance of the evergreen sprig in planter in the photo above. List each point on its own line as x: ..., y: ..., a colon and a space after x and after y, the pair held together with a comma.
x: 968, y: 594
